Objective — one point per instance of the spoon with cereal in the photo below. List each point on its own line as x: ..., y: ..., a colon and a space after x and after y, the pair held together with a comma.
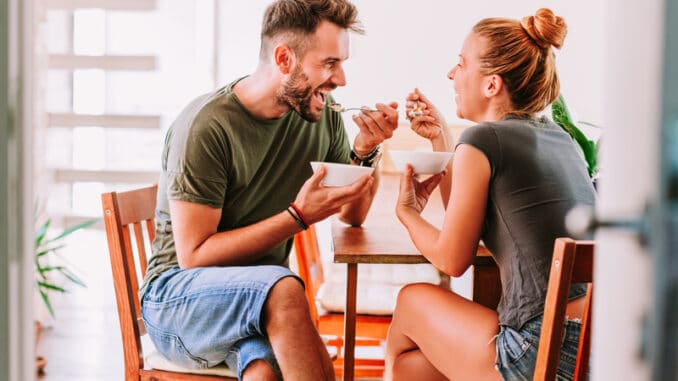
x: 339, y: 108
x: 416, y: 112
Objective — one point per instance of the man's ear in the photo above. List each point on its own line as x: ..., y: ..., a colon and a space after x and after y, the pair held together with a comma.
x: 283, y: 57
x: 493, y: 85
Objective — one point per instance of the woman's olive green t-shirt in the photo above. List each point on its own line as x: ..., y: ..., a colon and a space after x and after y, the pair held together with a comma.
x: 218, y: 154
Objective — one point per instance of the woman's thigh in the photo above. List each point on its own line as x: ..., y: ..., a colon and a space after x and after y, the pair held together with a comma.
x: 455, y: 334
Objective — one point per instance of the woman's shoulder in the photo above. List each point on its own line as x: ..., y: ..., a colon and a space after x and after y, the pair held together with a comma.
x: 514, y: 125
x: 483, y: 134
x: 492, y: 135
x: 492, y: 127
x: 479, y: 130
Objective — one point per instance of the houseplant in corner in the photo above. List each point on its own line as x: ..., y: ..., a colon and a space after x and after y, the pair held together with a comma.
x: 51, y: 268
x: 561, y: 116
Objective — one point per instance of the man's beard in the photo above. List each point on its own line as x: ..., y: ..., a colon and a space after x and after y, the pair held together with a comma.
x: 298, y: 94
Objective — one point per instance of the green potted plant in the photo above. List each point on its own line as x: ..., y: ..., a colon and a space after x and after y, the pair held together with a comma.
x: 561, y: 116
x: 51, y: 268
x: 49, y: 262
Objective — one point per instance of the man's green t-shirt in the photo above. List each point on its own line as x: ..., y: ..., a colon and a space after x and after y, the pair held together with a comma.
x: 218, y: 154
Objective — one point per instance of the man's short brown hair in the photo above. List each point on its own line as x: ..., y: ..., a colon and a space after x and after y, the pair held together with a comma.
x: 293, y: 21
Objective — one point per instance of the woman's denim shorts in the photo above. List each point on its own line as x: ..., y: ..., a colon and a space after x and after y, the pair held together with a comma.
x: 198, y: 318
x: 517, y: 351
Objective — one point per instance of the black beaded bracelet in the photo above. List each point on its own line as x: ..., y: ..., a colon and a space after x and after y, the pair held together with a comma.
x: 366, y: 160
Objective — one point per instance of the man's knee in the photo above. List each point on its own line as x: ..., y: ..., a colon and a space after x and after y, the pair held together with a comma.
x: 287, y: 297
x: 287, y: 293
x: 259, y: 370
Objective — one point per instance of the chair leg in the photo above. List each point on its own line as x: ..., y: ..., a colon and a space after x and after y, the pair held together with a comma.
x: 584, y: 349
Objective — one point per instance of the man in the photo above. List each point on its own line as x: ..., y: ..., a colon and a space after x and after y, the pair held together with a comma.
x: 235, y: 188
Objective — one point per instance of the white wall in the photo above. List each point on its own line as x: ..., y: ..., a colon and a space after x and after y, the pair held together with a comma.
x: 412, y: 44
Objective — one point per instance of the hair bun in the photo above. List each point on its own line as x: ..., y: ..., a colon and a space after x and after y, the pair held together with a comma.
x: 545, y: 28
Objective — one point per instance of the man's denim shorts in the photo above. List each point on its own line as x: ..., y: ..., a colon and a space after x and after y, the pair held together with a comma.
x: 198, y: 318
x: 517, y: 350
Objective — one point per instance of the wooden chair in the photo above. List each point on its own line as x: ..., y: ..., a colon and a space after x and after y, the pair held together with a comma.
x: 371, y: 330
x: 572, y: 263
x: 136, y: 209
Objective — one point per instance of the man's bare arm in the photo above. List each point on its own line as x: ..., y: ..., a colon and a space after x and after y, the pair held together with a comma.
x: 198, y: 244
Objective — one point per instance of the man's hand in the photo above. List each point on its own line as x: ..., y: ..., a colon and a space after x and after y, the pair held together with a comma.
x: 318, y: 202
x: 375, y: 127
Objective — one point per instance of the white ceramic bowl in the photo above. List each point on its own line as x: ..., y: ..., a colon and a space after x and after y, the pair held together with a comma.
x: 423, y: 162
x: 339, y: 175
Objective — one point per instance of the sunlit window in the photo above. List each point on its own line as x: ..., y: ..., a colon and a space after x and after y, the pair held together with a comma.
x: 114, y: 81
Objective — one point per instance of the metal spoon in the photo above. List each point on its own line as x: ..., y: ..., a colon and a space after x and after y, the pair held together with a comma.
x: 339, y: 108
x: 417, y: 112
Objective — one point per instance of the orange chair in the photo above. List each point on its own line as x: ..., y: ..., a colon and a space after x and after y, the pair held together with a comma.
x: 572, y: 263
x: 371, y: 330
x: 136, y: 209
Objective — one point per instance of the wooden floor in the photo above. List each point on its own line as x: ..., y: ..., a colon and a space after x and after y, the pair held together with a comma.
x: 83, y: 342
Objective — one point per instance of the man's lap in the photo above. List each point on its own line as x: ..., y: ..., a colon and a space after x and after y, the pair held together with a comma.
x: 196, y: 317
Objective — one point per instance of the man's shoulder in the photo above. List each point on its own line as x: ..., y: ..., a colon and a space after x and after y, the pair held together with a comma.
x: 213, y: 103
x: 213, y: 110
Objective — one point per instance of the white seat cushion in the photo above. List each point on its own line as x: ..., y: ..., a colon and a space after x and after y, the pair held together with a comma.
x: 372, y: 299
x: 384, y: 273
x: 157, y: 361
x: 378, y: 286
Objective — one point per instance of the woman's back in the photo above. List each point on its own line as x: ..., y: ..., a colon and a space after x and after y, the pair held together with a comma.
x: 537, y: 177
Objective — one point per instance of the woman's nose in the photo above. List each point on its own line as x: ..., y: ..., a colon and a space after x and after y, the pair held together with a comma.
x: 451, y: 73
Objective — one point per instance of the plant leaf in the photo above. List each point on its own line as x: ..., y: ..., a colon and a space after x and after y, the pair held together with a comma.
x: 51, y: 268
x: 73, y: 278
x: 40, y: 234
x: 73, y: 229
x: 45, y: 299
x: 51, y: 287
x: 46, y: 250
x: 561, y: 115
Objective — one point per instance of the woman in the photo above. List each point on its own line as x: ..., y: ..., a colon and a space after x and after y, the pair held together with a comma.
x: 513, y: 178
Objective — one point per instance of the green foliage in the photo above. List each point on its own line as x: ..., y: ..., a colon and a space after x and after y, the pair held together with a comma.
x: 46, y: 248
x: 562, y: 117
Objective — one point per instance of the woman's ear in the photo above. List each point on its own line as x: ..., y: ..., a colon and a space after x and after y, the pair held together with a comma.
x: 283, y: 57
x: 493, y: 85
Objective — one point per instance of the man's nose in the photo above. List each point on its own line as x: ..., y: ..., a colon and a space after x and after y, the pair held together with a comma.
x: 339, y: 76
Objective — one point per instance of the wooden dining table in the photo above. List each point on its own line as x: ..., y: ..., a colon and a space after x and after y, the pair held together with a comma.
x: 383, y: 239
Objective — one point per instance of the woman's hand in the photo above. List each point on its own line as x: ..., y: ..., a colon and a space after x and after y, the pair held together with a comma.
x: 430, y: 123
x: 414, y: 194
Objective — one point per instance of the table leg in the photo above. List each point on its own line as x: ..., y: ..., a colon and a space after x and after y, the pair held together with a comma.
x: 349, y: 320
x: 486, y: 283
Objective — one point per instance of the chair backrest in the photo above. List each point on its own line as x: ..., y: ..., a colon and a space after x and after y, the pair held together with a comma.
x: 126, y: 214
x: 309, y: 261
x: 572, y: 263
